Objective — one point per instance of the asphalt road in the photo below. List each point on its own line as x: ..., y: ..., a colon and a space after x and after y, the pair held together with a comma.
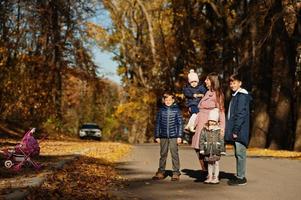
x: 268, y: 178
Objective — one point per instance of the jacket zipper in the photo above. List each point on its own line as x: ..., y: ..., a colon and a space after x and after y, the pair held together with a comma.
x: 168, y: 111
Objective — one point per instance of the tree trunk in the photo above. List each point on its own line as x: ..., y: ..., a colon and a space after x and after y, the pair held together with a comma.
x: 281, y: 98
x: 56, y: 61
x: 279, y: 127
x: 297, y: 146
x: 260, y: 127
x: 150, y: 32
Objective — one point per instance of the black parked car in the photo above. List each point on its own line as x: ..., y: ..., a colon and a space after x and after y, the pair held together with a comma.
x: 90, y: 130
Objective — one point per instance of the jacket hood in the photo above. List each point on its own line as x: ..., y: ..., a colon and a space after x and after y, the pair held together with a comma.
x: 212, y: 128
x: 244, y: 91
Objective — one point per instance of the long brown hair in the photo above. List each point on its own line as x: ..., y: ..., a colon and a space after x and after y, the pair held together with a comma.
x: 217, y: 88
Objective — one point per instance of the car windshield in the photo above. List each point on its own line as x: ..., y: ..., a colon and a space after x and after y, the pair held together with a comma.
x: 90, y: 126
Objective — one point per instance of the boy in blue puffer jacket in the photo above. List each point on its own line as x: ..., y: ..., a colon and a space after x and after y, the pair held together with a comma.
x: 169, y: 130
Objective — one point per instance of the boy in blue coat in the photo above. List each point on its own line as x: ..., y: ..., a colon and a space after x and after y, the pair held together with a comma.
x: 169, y: 130
x: 237, y: 127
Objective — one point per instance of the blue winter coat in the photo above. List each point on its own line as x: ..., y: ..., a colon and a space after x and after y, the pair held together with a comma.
x: 238, y: 120
x: 169, y: 122
x: 190, y: 91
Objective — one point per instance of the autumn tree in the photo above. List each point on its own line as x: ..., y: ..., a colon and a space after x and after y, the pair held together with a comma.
x: 41, y: 42
x: 157, y: 42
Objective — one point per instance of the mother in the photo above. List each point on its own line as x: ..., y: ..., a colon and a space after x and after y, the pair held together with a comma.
x: 214, y: 98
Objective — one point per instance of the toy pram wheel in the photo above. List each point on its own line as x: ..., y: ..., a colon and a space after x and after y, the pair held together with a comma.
x: 8, y: 164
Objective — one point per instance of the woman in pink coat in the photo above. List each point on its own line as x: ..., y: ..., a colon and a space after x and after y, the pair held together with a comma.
x: 214, y: 98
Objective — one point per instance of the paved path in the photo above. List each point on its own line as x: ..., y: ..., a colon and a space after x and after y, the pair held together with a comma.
x: 268, y: 178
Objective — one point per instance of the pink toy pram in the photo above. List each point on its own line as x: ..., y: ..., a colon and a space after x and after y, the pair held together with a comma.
x: 22, y: 153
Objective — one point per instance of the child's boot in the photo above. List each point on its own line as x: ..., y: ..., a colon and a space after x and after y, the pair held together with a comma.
x: 192, y: 129
x: 192, y: 122
x: 215, y: 180
x: 208, y: 180
x: 186, y: 129
x: 158, y: 176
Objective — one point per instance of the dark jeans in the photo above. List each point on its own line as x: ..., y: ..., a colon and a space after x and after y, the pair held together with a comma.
x: 172, y: 145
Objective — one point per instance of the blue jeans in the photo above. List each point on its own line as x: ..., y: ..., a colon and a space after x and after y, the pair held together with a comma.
x: 241, y: 156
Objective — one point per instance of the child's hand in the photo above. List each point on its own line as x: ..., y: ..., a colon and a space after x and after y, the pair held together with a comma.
x: 179, y: 140
x: 198, y: 95
x: 158, y: 140
x: 202, y: 152
x: 234, y: 135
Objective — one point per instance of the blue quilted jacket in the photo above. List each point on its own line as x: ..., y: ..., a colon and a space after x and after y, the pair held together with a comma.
x: 169, y: 122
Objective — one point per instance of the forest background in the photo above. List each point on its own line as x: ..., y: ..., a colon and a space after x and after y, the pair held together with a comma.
x: 48, y: 78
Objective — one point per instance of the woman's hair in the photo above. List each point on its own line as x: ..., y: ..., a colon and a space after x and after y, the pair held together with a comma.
x: 216, y: 86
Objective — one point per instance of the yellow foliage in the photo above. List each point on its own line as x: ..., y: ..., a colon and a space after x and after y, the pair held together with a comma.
x: 96, y: 32
x: 121, y: 70
x: 274, y: 153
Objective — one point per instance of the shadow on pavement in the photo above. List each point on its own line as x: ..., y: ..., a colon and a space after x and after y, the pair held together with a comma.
x: 200, y: 176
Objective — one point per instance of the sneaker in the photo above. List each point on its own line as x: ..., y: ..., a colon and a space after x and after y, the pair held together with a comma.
x: 175, y: 177
x: 214, y: 180
x: 208, y: 180
x: 237, y: 181
x: 158, y: 176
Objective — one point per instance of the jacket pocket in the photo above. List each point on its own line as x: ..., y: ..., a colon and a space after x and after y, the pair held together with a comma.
x: 205, y: 146
x: 218, y: 146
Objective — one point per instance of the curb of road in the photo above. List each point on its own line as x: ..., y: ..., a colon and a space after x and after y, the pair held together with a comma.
x: 19, y: 194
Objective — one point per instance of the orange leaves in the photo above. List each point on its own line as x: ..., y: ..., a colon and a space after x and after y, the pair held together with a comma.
x: 24, y: 58
x: 89, y: 177
x: 3, y: 56
x: 289, y: 17
x: 274, y: 153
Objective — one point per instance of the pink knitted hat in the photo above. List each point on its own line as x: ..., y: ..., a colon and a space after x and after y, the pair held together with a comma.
x: 192, y: 76
x: 214, y: 115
